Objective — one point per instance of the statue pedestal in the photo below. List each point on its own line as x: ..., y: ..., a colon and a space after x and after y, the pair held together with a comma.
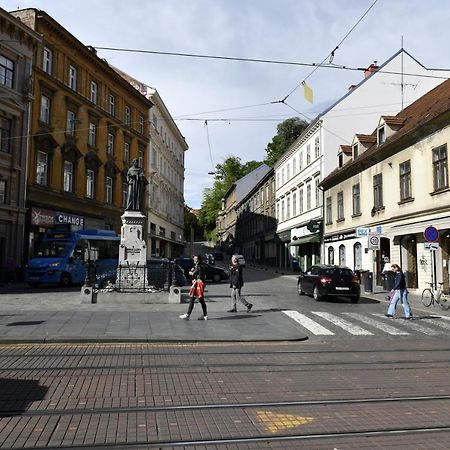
x: 132, y: 271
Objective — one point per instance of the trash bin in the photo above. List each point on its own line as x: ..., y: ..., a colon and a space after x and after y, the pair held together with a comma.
x: 368, y: 281
x: 388, y: 280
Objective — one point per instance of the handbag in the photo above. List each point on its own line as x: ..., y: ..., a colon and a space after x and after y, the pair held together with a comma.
x: 197, y: 289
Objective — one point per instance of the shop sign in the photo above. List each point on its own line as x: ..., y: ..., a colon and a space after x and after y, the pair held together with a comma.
x: 71, y: 219
x: 42, y: 217
x: 362, y: 232
x: 339, y: 237
x: 285, y: 236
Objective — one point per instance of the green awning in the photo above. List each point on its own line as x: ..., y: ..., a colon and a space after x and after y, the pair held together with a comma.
x: 305, y: 239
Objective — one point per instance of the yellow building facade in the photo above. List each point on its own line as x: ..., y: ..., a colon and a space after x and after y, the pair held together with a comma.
x: 87, y: 126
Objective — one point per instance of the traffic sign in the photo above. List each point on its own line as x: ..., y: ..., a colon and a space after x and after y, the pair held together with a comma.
x: 362, y: 232
x: 431, y: 234
x: 432, y: 246
x: 374, y: 241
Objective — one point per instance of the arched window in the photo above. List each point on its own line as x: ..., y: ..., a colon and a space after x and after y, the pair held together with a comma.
x: 357, y: 256
x: 330, y: 255
x: 342, y: 255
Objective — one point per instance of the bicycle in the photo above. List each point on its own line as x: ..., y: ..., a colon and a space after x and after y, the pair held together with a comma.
x: 431, y: 296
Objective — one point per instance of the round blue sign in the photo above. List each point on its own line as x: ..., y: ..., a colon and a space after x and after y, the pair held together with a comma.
x: 431, y: 234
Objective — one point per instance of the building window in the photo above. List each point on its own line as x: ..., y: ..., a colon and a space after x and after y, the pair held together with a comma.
x: 300, y: 161
x: 318, y: 196
x: 141, y: 124
x: 294, y: 204
x: 378, y: 191
x: 278, y: 211
x: 282, y: 210
x: 405, y: 180
x: 5, y: 135
x: 71, y: 121
x: 3, y: 198
x: 41, y: 168
x: 342, y: 255
x: 73, y: 77
x: 440, y: 174
x: 300, y: 200
x: 355, y: 151
x: 90, y: 183
x: 126, y: 152
x: 6, y: 71
x: 155, y: 122
x: 340, y: 205
x: 356, y: 197
x: 317, y: 148
x: 141, y: 158
x: 288, y: 172
x: 329, y: 211
x: 288, y: 207
x: 112, y: 105
x: 308, y: 155
x: 127, y: 116
x: 94, y: 91
x: 124, y: 195
x: 357, y: 256
x: 47, y: 61
x: 381, y: 135
x: 109, y: 190
x: 45, y: 109
x: 308, y: 196
x: 294, y: 166
x: 331, y: 255
x: 92, y: 134
x: 68, y: 176
x: 282, y: 176
x: 110, y: 147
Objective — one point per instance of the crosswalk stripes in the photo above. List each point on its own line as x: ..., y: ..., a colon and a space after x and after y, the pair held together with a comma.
x: 344, y: 324
x: 373, y: 323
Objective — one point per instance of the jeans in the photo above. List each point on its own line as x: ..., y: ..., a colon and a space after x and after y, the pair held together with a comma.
x: 402, y: 295
x: 201, y: 300
x: 236, y: 295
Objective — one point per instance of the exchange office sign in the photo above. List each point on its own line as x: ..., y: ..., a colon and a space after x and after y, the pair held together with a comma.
x: 76, y: 222
x: 339, y: 237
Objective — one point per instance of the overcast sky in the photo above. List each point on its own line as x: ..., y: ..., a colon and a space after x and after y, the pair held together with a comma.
x: 303, y: 31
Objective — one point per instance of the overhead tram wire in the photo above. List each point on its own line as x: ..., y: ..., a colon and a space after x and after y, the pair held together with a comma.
x: 209, y: 148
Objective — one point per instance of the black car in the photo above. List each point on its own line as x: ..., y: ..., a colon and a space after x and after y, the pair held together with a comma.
x: 323, y: 280
x: 212, y: 273
x: 157, y: 273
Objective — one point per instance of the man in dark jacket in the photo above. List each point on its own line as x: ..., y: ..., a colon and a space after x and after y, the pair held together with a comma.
x: 236, y: 283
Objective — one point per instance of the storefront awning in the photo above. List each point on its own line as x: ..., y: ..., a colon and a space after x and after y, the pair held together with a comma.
x: 306, y: 239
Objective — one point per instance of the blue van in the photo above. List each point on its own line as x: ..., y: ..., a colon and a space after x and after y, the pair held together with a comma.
x: 61, y: 257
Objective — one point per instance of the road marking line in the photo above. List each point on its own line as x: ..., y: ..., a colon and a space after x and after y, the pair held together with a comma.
x: 375, y: 323
x: 275, y: 422
x: 416, y: 327
x: 436, y: 320
x: 308, y: 323
x: 344, y: 324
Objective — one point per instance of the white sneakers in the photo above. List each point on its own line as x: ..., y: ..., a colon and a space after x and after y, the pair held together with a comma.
x: 185, y: 316
x: 203, y: 318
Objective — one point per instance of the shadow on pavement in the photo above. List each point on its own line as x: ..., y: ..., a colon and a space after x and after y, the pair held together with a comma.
x: 17, y: 395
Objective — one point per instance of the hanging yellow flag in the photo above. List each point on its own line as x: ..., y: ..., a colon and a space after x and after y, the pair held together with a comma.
x: 307, y: 92
x: 274, y: 422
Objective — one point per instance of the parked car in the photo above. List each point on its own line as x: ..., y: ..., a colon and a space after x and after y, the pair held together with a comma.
x: 208, y: 258
x: 157, y: 269
x: 218, y: 256
x: 241, y: 260
x: 324, y: 280
x: 212, y: 273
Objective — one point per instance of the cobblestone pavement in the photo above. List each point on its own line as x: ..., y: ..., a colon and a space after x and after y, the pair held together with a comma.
x: 226, y: 395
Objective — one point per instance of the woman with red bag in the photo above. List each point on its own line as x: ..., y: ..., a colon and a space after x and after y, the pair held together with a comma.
x: 198, y: 285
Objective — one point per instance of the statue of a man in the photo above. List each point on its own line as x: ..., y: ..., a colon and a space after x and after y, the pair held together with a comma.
x: 136, y: 187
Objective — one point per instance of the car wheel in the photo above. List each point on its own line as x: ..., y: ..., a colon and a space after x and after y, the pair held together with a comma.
x: 316, y: 294
x: 216, y: 277
x: 65, y: 280
x: 299, y: 289
x: 354, y: 299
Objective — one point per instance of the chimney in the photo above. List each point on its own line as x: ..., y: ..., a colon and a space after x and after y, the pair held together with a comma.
x: 371, y: 69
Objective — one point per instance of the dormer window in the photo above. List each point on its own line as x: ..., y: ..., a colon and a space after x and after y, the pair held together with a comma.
x: 381, y: 135
x: 341, y: 160
x: 355, y: 151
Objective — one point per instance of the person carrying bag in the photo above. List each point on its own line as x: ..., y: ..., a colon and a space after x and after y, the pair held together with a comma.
x: 197, y: 289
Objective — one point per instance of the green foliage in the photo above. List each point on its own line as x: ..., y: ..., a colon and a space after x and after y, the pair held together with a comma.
x: 287, y: 132
x: 191, y: 222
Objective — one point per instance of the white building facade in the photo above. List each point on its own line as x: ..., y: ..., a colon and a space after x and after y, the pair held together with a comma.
x: 298, y: 173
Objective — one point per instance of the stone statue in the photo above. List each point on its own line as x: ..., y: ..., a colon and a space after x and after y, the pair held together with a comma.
x: 136, y: 187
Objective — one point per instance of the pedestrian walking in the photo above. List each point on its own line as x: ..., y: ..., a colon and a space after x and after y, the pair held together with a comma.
x: 400, y: 294
x: 197, y: 289
x: 236, y: 283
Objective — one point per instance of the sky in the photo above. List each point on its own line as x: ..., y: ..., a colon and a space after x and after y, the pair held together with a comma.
x: 225, y: 92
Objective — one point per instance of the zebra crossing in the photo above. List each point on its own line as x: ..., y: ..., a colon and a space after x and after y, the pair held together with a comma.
x: 322, y: 323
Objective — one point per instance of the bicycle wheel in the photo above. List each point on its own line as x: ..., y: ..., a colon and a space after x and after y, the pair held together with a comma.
x: 427, y: 297
x: 444, y: 301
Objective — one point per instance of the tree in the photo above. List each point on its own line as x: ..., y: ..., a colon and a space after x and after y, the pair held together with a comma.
x: 191, y: 222
x: 287, y: 132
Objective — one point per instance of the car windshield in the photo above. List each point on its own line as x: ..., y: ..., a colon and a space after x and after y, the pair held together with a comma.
x: 338, y: 272
x: 53, y: 249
